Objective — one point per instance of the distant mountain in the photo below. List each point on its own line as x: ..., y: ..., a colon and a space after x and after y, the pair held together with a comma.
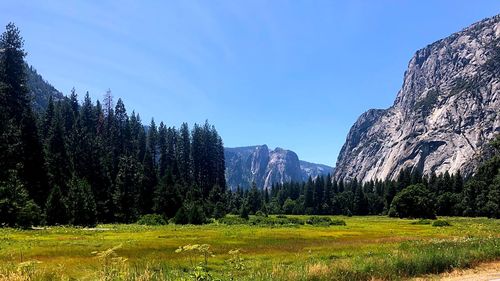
x: 444, y: 115
x: 40, y: 89
x: 258, y: 164
x: 313, y: 170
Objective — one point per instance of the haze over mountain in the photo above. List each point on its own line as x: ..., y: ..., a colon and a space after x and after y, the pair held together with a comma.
x: 445, y: 113
x: 259, y: 164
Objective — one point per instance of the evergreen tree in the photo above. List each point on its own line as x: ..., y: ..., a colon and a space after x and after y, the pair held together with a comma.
x: 184, y: 154
x: 254, y: 199
x: 81, y: 203
x: 16, y: 208
x: 58, y: 164
x: 127, y: 189
x: 56, y: 208
x: 167, y: 197
x: 360, y: 204
x: 17, y: 118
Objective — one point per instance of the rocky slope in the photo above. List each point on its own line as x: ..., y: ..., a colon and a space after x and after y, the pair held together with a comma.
x: 258, y: 164
x: 40, y: 89
x: 446, y: 111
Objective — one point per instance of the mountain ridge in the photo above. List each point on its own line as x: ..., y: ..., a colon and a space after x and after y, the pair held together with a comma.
x: 259, y: 164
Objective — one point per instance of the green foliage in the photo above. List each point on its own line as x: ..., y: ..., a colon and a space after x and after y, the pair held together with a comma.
x: 152, y: 219
x: 414, y: 201
x: 181, y: 217
x: 196, y: 214
x: 56, y: 208
x: 233, y: 220
x: 81, y: 203
x: 16, y: 209
x: 324, y: 221
x: 421, y: 222
x: 440, y: 223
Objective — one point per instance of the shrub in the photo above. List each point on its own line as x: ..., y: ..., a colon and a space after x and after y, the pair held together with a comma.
x: 269, y: 221
x: 324, y: 221
x: 152, y: 219
x: 232, y: 220
x: 260, y: 214
x: 440, y: 223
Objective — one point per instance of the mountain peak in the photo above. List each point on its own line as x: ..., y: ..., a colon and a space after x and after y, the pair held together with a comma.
x: 258, y: 164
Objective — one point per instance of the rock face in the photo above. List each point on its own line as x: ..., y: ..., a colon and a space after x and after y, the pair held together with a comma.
x: 258, y: 164
x: 446, y: 111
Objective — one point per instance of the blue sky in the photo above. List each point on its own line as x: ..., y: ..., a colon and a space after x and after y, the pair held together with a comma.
x: 294, y: 74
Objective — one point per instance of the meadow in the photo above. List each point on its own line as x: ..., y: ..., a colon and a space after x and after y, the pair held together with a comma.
x: 366, y: 248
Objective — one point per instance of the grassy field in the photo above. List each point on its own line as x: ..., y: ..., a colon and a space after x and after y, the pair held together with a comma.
x: 366, y: 248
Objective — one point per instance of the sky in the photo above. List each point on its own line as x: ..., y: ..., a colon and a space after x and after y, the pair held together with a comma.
x: 293, y: 74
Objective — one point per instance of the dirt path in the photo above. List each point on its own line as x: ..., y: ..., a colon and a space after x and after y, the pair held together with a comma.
x: 484, y: 272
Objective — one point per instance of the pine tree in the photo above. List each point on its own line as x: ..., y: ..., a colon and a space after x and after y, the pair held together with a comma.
x: 254, y: 199
x: 81, y: 203
x: 309, y: 196
x: 184, y: 154
x: 360, y: 204
x: 152, y: 142
x: 56, y: 208
x: 17, y: 116
x: 127, y: 187
x: 57, y: 157
x: 167, y: 197
x: 16, y: 208
x: 162, y: 148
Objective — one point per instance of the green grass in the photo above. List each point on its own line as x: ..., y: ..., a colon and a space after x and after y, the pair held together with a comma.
x: 365, y: 248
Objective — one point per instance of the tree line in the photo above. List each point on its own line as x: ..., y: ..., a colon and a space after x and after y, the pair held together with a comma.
x: 83, y: 163
x: 410, y: 195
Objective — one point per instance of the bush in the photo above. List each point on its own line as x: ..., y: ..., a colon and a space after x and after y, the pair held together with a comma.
x: 421, y: 221
x: 414, y: 201
x: 260, y: 214
x: 269, y: 221
x: 232, y: 220
x: 324, y: 221
x: 152, y: 219
x: 440, y: 223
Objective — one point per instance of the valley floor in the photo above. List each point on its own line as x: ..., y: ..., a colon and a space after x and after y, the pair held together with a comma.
x: 366, y: 248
